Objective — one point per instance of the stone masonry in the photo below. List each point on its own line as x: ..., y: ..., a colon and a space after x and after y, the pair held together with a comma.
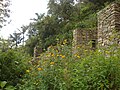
x: 107, y: 32
x: 86, y: 39
x: 108, y: 25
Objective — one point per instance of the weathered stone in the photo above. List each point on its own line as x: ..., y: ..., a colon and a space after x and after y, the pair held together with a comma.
x: 108, y: 24
x: 83, y: 38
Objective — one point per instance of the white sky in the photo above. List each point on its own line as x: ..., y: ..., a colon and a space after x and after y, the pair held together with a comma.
x: 22, y: 12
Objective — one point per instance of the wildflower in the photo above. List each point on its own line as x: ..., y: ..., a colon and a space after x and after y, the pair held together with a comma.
x: 78, y: 47
x: 65, y: 41
x: 52, y: 63
x: 63, y: 56
x: 78, y: 56
x: 52, y: 55
x: 27, y: 71
x: 58, y: 55
x: 39, y: 69
x: 56, y: 50
x: 75, y: 55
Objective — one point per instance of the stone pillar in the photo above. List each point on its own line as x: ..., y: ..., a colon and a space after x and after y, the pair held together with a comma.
x: 83, y: 38
x: 108, y: 25
x: 37, y: 52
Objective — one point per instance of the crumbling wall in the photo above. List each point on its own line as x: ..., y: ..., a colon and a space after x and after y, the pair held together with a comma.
x: 109, y: 25
x: 37, y: 52
x: 107, y: 33
x: 84, y: 39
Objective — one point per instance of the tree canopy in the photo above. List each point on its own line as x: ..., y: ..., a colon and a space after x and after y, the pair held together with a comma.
x: 4, y: 11
x: 62, y: 17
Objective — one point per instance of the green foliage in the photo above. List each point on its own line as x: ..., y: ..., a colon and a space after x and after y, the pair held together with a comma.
x: 96, y: 72
x: 63, y: 16
x: 4, y: 86
x: 15, y: 39
x: 4, y: 11
x: 58, y: 22
x: 13, y: 66
x: 58, y: 69
x: 50, y: 69
x: 4, y: 45
x: 87, y: 16
x: 100, y: 3
x: 30, y: 44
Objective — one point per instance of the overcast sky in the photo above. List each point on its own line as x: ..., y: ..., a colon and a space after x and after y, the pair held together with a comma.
x: 22, y: 12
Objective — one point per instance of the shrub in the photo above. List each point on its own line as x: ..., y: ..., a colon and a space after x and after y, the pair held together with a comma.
x: 99, y: 70
x: 13, y: 66
x: 58, y: 69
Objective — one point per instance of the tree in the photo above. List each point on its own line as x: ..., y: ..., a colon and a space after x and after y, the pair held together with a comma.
x: 63, y: 9
x: 45, y: 29
x: 63, y: 16
x: 23, y: 31
x: 31, y: 30
x: 32, y: 40
x: 15, y: 38
x: 4, y: 45
x: 101, y: 3
x: 4, y: 11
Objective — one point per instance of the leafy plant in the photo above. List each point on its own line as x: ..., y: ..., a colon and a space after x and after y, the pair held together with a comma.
x: 4, y: 86
x: 13, y: 66
x: 59, y: 69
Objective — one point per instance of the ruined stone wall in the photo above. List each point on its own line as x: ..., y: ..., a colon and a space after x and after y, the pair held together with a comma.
x: 108, y: 25
x: 37, y: 52
x: 85, y: 39
x: 107, y: 33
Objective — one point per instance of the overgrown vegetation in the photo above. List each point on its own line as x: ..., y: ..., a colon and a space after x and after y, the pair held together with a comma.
x: 63, y: 16
x: 4, y: 12
x: 57, y: 68
x: 13, y: 66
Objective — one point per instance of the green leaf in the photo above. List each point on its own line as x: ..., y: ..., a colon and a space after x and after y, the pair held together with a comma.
x: 10, y: 88
x: 3, y: 83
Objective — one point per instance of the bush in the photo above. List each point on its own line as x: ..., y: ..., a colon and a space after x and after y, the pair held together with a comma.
x: 96, y: 71
x: 13, y: 66
x: 58, y: 69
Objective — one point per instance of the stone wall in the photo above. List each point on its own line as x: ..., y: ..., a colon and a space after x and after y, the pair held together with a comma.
x: 106, y: 34
x: 86, y: 39
x: 109, y: 25
x: 37, y: 52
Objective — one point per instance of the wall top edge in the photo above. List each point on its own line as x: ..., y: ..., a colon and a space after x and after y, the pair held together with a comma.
x: 112, y: 5
x: 79, y: 29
